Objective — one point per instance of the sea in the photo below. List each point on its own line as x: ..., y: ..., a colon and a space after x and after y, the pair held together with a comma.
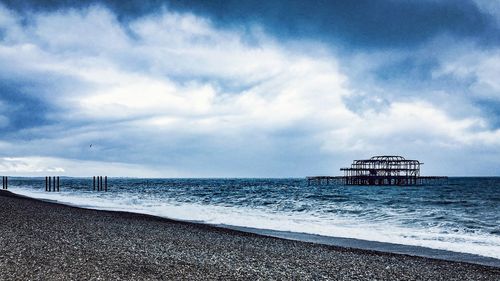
x: 461, y: 215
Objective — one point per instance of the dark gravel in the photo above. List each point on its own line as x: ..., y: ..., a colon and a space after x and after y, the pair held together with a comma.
x: 46, y: 241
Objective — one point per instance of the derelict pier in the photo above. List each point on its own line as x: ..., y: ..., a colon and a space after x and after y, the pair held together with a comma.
x: 380, y: 170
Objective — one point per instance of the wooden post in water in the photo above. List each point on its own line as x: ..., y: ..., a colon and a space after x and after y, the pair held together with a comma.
x: 46, y: 183
x: 99, y: 184
x: 50, y: 184
x: 58, y: 184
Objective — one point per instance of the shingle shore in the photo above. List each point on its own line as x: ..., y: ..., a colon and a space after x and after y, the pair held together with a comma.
x: 47, y: 241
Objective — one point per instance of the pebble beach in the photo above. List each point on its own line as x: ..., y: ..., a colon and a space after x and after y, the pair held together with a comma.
x: 42, y: 240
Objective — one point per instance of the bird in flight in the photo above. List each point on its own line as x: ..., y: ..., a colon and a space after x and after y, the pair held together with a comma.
x: 90, y: 145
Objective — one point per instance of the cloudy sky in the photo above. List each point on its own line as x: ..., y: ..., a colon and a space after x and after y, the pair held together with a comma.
x: 247, y: 88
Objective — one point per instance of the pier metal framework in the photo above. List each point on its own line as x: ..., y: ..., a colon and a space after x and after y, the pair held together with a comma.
x: 383, y: 170
x: 380, y: 170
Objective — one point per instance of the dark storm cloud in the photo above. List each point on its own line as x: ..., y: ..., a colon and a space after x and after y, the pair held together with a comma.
x: 30, y: 100
x: 353, y: 24
x: 22, y: 109
x: 490, y: 108
x: 358, y: 23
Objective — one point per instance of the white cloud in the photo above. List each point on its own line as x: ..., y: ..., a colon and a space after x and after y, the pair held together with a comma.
x: 482, y: 67
x: 46, y: 166
x: 93, y: 29
x: 175, y: 91
x: 27, y: 165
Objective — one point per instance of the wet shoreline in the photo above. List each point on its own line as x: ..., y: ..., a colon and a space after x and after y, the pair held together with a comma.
x: 43, y: 240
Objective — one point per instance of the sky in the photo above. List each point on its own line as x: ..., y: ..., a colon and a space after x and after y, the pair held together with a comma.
x: 247, y: 88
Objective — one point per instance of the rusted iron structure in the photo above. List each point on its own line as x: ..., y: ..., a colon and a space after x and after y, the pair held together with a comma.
x: 380, y: 170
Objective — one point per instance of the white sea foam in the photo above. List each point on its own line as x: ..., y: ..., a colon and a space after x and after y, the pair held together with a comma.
x: 305, y: 222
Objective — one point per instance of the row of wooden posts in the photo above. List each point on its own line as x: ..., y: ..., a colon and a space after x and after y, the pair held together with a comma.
x: 100, y: 186
x: 5, y: 182
x: 53, y: 184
